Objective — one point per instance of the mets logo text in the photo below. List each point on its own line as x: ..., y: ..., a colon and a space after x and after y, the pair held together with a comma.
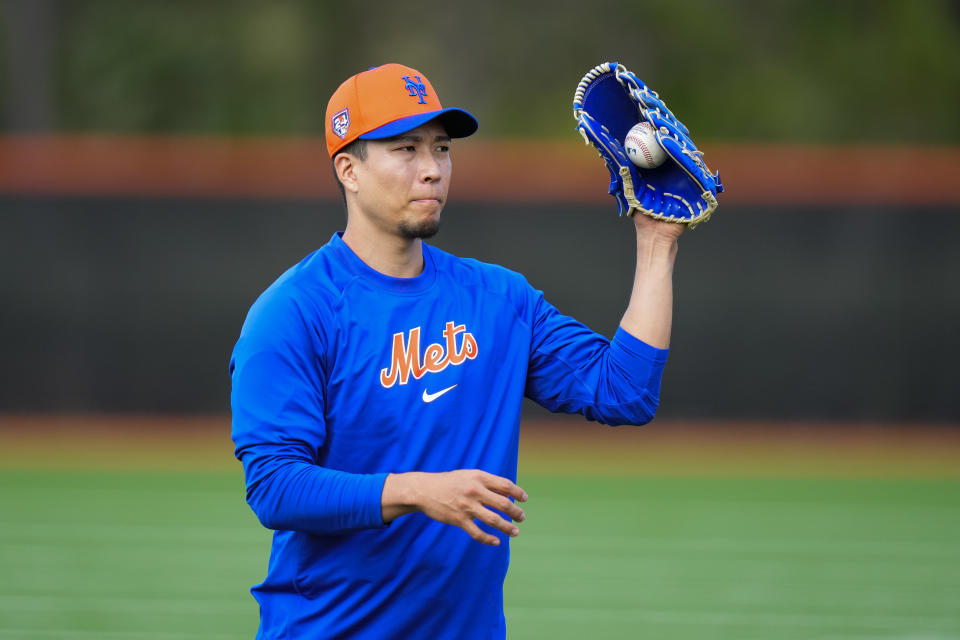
x: 341, y: 123
x: 406, y: 361
x: 416, y: 88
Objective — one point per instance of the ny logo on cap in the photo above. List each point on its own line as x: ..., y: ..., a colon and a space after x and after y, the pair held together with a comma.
x: 341, y: 123
x: 416, y: 88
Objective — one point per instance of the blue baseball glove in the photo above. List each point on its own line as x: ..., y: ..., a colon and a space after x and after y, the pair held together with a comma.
x: 609, y: 101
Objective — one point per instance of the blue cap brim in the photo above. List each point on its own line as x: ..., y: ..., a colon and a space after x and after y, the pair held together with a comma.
x: 457, y: 122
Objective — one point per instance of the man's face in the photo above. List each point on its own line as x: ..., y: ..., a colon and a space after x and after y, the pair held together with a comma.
x: 403, y: 182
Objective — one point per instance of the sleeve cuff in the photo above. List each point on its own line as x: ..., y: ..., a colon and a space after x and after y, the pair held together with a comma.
x: 372, y: 500
x: 638, y: 348
x: 644, y: 363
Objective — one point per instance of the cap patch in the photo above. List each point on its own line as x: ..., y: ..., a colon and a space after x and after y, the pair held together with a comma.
x: 416, y: 88
x: 340, y: 122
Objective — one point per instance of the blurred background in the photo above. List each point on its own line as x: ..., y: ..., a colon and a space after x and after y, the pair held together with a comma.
x: 162, y: 162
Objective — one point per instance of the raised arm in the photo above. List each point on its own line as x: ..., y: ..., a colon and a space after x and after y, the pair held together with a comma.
x: 649, y: 314
x: 614, y: 381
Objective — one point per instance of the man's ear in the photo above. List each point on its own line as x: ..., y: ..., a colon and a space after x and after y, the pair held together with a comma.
x: 345, y: 166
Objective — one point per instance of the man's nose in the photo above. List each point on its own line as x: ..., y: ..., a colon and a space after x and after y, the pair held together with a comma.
x: 429, y: 168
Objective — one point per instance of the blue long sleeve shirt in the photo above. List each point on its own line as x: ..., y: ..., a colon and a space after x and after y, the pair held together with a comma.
x: 342, y: 375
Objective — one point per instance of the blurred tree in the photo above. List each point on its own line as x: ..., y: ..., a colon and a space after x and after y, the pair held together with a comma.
x: 184, y: 67
x: 30, y: 30
x: 798, y: 70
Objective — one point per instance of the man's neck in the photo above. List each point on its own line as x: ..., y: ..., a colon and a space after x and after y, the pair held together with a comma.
x: 391, y: 255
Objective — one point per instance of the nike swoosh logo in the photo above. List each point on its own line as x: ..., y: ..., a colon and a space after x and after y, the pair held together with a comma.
x: 430, y: 397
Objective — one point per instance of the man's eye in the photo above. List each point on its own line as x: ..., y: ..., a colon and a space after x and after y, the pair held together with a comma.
x: 443, y: 148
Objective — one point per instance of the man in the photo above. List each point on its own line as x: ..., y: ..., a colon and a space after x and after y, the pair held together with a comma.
x: 377, y: 388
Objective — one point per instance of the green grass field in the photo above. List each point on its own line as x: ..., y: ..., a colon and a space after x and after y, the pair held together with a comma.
x: 170, y: 556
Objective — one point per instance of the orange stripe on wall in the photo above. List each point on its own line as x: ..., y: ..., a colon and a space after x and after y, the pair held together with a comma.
x: 165, y: 166
x: 486, y: 170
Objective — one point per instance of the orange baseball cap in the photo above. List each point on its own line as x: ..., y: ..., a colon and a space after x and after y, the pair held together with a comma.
x: 387, y: 101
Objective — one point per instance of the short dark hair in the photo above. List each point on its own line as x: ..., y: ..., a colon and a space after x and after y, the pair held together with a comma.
x: 358, y: 149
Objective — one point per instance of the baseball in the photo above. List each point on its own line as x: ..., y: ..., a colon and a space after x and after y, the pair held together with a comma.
x: 642, y: 147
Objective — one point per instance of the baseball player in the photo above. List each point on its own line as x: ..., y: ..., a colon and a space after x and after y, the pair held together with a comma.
x: 377, y: 389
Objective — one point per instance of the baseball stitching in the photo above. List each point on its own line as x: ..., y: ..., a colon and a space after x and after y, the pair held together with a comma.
x: 643, y: 147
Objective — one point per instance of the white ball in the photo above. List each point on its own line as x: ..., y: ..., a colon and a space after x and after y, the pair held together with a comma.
x: 642, y: 147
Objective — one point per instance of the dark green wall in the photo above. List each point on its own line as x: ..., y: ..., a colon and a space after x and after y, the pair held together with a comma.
x: 134, y: 304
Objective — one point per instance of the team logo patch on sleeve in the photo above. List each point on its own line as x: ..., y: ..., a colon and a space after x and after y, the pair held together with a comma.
x: 340, y: 122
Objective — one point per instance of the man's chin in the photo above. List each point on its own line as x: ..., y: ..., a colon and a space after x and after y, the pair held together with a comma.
x: 420, y: 228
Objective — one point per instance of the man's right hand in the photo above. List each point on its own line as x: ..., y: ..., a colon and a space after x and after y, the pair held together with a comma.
x: 457, y: 498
